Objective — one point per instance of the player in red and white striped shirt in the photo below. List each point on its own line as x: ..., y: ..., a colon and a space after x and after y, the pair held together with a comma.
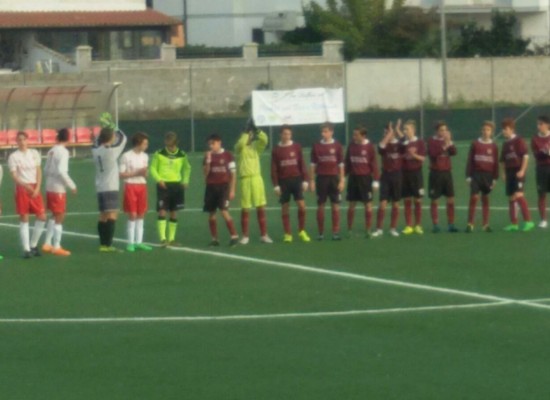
x: 482, y: 174
x: 289, y: 177
x: 24, y: 164
x: 133, y: 168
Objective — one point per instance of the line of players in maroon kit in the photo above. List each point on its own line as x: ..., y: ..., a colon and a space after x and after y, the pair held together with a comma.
x: 403, y: 155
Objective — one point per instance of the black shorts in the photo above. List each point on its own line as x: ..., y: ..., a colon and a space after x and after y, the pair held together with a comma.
x: 107, y: 201
x: 482, y: 182
x: 441, y: 184
x: 327, y: 188
x: 360, y: 188
x: 513, y: 183
x: 216, y: 197
x: 291, y: 187
x: 391, y: 186
x: 413, y: 184
x: 172, y: 198
x: 543, y: 179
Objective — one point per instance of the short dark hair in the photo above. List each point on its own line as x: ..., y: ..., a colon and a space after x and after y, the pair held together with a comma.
x: 286, y: 127
x: 490, y: 124
x: 139, y: 138
x: 508, y: 123
x: 544, y: 119
x: 214, y: 137
x: 63, y: 135
x: 362, y: 129
x: 22, y: 133
x: 105, y: 135
x: 327, y: 125
x: 171, y: 137
x: 440, y: 124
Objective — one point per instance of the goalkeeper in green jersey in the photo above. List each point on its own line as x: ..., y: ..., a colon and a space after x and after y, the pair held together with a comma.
x: 171, y: 170
x: 248, y: 149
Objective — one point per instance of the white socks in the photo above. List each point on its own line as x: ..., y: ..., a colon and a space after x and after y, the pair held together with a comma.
x: 24, y: 234
x: 49, y: 232
x: 131, y: 229
x: 58, y: 232
x: 135, y: 231
x: 139, y: 231
x: 37, y: 232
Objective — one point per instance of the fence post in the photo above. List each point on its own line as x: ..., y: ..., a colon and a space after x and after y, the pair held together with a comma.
x: 250, y: 51
x: 191, y: 108
x: 83, y: 57
x: 332, y: 50
x: 421, y: 96
x: 168, y: 53
x: 493, y: 106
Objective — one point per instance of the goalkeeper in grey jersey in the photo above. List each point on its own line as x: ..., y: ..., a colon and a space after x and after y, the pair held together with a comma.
x: 106, y: 151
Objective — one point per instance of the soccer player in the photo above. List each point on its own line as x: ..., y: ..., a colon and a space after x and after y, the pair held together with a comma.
x: 328, y: 178
x: 171, y: 169
x: 363, y: 176
x: 221, y: 178
x: 482, y: 174
x: 250, y: 145
x: 24, y: 165
x: 133, y: 167
x: 391, y: 150
x: 106, y: 151
x: 289, y: 177
x: 1, y: 177
x: 515, y: 159
x: 413, y: 179
x: 440, y: 150
x: 57, y: 180
x: 540, y: 144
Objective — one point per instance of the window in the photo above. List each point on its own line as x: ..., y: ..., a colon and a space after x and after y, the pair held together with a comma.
x: 258, y: 36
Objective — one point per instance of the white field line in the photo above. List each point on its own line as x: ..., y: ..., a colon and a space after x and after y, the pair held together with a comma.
x: 244, y: 317
x: 236, y: 209
x: 335, y: 273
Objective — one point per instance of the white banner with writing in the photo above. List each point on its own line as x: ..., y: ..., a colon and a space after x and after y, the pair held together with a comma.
x: 298, y: 107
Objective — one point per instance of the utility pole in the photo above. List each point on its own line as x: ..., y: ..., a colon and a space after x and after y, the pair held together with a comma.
x: 444, y: 52
x: 184, y: 20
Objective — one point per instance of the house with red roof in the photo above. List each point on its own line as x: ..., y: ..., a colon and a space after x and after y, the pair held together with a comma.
x: 43, y: 34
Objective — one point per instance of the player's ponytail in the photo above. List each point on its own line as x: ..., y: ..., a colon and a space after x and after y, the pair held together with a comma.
x: 105, y: 136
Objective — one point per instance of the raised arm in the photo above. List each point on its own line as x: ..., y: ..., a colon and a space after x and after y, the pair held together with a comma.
x: 261, y: 142
x: 242, y: 143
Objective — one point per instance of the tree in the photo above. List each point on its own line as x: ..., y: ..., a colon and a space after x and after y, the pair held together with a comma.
x: 500, y: 40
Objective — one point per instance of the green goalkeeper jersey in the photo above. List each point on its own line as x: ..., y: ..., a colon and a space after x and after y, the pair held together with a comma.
x: 248, y: 154
x: 171, y: 167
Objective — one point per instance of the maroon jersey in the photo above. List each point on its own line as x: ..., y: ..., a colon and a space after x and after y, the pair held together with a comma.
x: 541, y: 149
x: 287, y: 162
x: 221, y: 166
x: 440, y: 157
x: 327, y: 157
x: 483, y: 157
x: 513, y: 152
x: 409, y: 162
x: 392, y: 156
x: 361, y: 160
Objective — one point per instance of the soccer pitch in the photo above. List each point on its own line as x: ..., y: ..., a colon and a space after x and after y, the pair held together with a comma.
x: 447, y: 316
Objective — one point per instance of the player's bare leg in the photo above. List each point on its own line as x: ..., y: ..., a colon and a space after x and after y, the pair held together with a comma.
x: 335, y: 214
x: 285, y: 216
x: 380, y: 219
x: 262, y: 222
x: 485, y: 210
x: 245, y: 226
x: 231, y: 228
x: 351, y: 217
x: 368, y: 219
x: 408, y: 209
x: 542, y: 210
x: 321, y: 221
x: 394, y: 218
x: 434, y: 211
x: 213, y: 226
x: 451, y: 215
x: 418, y: 216
x: 472, y: 212
x: 302, y: 234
